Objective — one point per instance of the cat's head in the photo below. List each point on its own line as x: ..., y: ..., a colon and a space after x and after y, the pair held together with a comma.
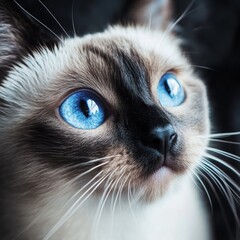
x: 120, y: 109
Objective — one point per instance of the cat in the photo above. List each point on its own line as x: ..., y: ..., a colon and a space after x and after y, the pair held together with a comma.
x: 99, y: 135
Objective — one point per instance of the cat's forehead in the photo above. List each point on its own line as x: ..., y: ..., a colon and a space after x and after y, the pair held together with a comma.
x: 157, y: 47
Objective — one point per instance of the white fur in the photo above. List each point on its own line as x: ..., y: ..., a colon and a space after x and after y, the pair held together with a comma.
x: 179, y: 215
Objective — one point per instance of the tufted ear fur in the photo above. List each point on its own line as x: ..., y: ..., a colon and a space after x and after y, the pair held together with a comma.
x: 155, y: 14
x: 19, y: 35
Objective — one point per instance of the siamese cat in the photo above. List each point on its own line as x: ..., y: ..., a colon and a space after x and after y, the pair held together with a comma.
x: 99, y: 135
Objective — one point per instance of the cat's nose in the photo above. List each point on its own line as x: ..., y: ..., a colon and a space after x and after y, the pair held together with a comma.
x: 160, y: 139
x: 157, y: 147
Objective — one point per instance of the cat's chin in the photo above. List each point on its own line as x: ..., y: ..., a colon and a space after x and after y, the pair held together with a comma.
x: 157, y: 184
x: 162, y: 176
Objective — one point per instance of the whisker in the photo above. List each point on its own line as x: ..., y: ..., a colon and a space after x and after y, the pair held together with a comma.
x: 201, y: 167
x: 93, y: 158
x: 118, y: 193
x: 202, y: 67
x: 204, y: 187
x: 173, y: 24
x: 121, y: 190
x: 217, y: 172
x: 130, y: 200
x: 221, y: 174
x: 89, y: 162
x: 82, y: 188
x: 215, y: 192
x: 38, y: 21
x: 212, y: 170
x: 103, y: 200
x: 118, y: 196
x: 227, y: 191
x: 222, y: 162
x: 226, y: 154
x: 150, y: 18
x: 101, y: 206
x: 170, y: 27
x: 222, y: 141
x: 54, y: 18
x: 192, y: 178
x: 194, y: 66
x: 220, y: 135
x: 113, y: 204
x: 138, y: 195
x: 69, y: 182
x: 72, y: 18
x: 83, y: 174
x: 115, y: 188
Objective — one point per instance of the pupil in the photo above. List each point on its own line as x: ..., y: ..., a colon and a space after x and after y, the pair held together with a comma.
x: 172, y: 87
x: 84, y: 107
x: 167, y: 87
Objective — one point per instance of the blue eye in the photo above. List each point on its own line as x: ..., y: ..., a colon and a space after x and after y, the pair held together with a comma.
x: 83, y: 109
x: 170, y: 91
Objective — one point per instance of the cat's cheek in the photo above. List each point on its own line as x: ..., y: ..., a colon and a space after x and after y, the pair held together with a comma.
x: 194, y: 149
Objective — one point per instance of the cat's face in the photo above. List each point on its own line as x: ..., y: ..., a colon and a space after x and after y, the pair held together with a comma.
x: 138, y: 111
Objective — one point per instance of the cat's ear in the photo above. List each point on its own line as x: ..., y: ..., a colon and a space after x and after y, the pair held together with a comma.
x: 155, y: 14
x: 19, y: 35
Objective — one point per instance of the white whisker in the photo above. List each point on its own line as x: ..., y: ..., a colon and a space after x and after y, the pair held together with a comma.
x: 54, y: 18
x: 102, y: 202
x: 72, y: 18
x: 150, y: 18
x: 204, y: 187
x: 222, y: 174
x: 121, y: 190
x: 171, y: 27
x: 222, y: 162
x: 226, y: 154
x: 202, y: 67
x: 38, y: 21
x: 113, y: 204
x: 138, y: 195
x: 214, y: 191
x: 118, y: 193
x: 229, y: 134
x: 82, y: 188
x: 130, y: 200
x: 222, y: 141
x: 192, y: 178
x: 83, y: 174
x: 227, y: 191
x: 63, y: 186
x: 115, y: 188
x: 91, y: 160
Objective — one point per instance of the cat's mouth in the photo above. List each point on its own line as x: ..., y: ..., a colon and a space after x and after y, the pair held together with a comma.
x: 175, y: 164
x: 162, y: 176
x: 165, y: 171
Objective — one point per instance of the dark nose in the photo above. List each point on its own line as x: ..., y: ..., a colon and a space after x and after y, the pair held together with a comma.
x: 160, y: 139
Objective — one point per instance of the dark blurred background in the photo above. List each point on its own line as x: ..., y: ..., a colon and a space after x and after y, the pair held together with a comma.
x: 211, y: 33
